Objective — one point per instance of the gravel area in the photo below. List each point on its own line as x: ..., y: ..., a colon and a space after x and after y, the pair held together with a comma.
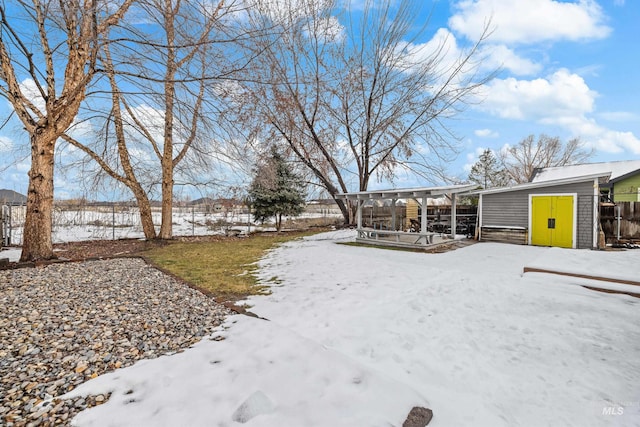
x: 63, y: 324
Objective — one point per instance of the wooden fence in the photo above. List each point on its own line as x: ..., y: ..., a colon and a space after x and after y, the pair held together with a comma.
x: 629, y: 228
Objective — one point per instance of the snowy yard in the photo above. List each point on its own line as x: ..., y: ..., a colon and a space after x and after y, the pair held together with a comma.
x: 117, y: 222
x: 358, y: 336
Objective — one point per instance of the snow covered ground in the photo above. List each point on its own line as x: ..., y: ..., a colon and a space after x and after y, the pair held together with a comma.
x: 98, y: 223
x: 107, y: 224
x: 358, y: 336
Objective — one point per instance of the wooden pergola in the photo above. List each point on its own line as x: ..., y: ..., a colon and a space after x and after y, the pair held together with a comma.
x: 393, y: 237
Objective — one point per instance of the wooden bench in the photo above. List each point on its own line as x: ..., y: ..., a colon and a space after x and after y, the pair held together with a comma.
x: 504, y: 234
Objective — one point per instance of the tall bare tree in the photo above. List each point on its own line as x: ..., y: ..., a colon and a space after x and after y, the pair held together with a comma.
x: 521, y: 160
x: 48, y: 54
x: 119, y: 165
x: 163, y: 82
x: 358, y: 98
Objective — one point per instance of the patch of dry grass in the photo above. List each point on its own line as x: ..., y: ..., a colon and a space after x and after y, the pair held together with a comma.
x: 225, y: 267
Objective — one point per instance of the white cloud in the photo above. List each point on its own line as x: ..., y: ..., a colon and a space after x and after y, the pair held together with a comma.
x: 619, y: 116
x: 6, y: 144
x: 472, y: 158
x: 500, y: 56
x: 442, y: 49
x: 614, y: 141
x: 561, y: 94
x: 486, y: 133
x: 444, y: 52
x: 81, y: 129
x: 23, y: 166
x: 30, y: 90
x: 326, y: 29
x: 151, y: 118
x: 443, y: 55
x: 293, y: 10
x: 596, y: 135
x: 564, y: 100
x: 530, y: 21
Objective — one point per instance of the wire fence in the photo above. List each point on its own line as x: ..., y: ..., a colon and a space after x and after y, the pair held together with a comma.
x: 111, y: 221
x: 74, y: 222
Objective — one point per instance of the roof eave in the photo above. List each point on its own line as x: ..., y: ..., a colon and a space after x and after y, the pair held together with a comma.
x: 542, y: 184
x: 406, y: 193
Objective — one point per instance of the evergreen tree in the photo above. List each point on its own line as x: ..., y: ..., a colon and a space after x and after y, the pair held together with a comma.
x: 486, y: 171
x: 276, y: 190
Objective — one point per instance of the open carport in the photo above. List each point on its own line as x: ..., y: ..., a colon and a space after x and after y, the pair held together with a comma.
x: 417, y: 236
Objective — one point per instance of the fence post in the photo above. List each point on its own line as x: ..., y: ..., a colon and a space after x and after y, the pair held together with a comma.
x: 10, y: 220
x: 2, y: 226
x: 618, y: 218
x: 193, y: 220
x: 113, y: 221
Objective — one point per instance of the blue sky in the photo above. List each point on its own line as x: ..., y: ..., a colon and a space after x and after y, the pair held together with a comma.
x: 569, y: 69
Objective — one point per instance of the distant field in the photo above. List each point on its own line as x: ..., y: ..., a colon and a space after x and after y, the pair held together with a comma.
x: 119, y: 222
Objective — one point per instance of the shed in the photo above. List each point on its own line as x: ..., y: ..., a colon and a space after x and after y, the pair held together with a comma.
x: 390, y: 236
x: 561, y: 212
x: 624, y: 177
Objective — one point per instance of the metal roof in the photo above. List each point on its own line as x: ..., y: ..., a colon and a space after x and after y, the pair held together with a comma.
x: 12, y: 197
x: 551, y: 183
x: 407, y: 193
x: 617, y: 170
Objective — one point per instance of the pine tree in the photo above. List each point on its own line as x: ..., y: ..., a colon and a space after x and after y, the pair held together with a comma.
x: 486, y: 171
x: 276, y: 190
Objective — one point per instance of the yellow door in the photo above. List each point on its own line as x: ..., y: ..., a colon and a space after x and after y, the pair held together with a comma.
x: 552, y: 221
x: 540, y: 213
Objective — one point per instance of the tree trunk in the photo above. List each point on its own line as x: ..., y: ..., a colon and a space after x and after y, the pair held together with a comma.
x: 166, y: 229
x: 344, y: 210
x: 36, y: 238
x: 146, y: 217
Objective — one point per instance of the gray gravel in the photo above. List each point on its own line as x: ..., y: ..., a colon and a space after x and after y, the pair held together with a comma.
x: 63, y: 324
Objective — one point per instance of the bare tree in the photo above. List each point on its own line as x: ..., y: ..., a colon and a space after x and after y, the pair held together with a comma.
x: 358, y: 99
x: 162, y: 83
x: 48, y: 54
x: 521, y: 160
x: 126, y: 173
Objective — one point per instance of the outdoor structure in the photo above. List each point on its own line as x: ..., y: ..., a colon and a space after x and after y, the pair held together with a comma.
x: 322, y: 207
x: 623, y: 184
x: 10, y: 197
x: 561, y: 206
x: 561, y: 213
x: 394, y: 232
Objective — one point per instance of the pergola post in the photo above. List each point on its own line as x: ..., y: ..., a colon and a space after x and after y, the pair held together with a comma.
x: 359, y: 204
x: 453, y: 216
x: 423, y: 216
x: 402, y: 238
x: 393, y: 214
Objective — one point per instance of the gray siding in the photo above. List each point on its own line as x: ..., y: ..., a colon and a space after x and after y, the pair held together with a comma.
x: 512, y: 208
